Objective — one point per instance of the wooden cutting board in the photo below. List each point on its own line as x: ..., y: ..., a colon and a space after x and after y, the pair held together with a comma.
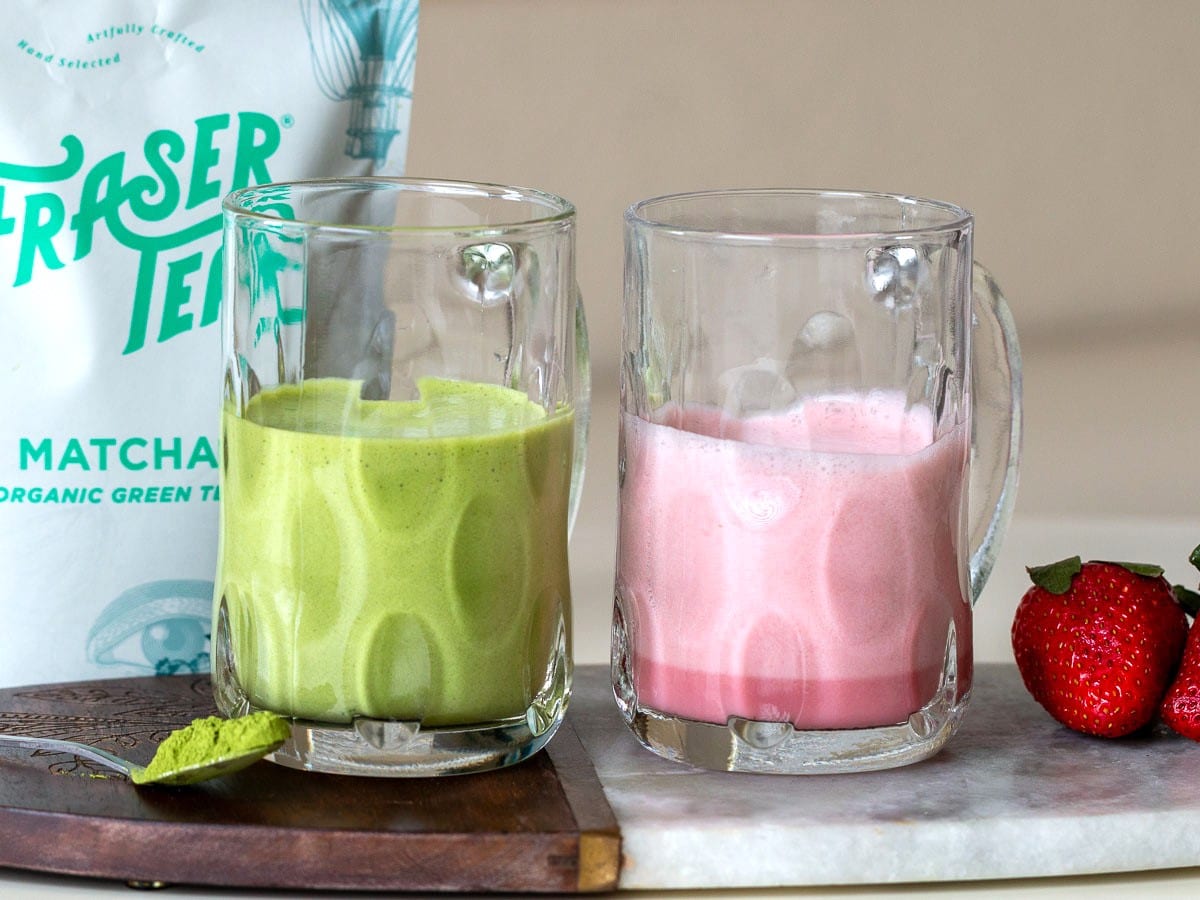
x: 543, y: 825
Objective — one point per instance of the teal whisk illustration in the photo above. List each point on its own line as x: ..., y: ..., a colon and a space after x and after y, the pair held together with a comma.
x: 365, y: 51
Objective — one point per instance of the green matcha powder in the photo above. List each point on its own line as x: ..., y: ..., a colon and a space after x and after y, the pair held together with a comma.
x: 206, y: 741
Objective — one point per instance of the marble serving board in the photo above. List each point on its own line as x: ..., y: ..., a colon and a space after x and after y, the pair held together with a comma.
x: 1013, y: 795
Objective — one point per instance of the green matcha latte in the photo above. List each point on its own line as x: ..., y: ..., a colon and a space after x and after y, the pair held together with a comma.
x: 395, y: 560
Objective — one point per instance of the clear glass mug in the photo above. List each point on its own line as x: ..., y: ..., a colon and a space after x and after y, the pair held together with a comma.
x: 403, y: 437
x: 813, y: 384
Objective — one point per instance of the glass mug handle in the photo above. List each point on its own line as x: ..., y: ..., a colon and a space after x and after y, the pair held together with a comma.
x: 582, y: 401
x: 996, y: 428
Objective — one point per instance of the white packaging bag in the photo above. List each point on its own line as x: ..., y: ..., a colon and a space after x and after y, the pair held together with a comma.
x: 123, y: 125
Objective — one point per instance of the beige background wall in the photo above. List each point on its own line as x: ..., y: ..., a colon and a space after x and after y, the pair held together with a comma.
x: 1071, y: 129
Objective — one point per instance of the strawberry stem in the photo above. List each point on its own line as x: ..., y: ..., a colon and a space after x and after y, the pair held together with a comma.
x: 1056, y: 577
x: 1188, y: 599
x: 1147, y: 570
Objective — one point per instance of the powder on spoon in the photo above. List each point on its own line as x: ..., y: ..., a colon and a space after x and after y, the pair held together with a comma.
x: 207, y: 740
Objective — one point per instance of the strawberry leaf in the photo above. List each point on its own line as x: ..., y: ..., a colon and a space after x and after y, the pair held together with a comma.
x: 1055, y: 577
x: 1194, y: 559
x: 1188, y: 599
x: 1145, y: 569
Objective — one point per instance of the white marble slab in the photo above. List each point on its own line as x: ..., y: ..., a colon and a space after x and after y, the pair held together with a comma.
x: 1014, y: 795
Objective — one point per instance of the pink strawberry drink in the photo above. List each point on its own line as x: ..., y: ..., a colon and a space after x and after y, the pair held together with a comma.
x: 800, y: 566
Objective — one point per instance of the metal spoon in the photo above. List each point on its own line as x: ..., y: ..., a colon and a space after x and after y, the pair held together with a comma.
x: 210, y: 768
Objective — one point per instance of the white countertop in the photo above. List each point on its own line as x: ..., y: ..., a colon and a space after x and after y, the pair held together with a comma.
x: 1171, y: 884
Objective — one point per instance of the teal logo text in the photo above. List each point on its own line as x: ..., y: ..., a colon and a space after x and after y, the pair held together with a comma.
x: 178, y: 284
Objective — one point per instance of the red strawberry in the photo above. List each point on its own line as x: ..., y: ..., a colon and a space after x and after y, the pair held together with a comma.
x: 1181, y: 706
x: 1098, y: 643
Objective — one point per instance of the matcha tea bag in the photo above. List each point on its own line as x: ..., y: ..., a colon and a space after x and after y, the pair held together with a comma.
x: 123, y: 126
